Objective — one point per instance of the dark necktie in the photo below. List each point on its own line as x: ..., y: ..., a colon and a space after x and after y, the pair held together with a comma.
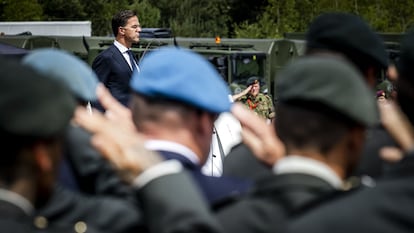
x: 132, y: 60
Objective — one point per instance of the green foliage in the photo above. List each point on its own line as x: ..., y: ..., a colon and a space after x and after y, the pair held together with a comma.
x: 203, y: 18
x: 21, y: 10
x: 63, y: 10
x: 148, y: 15
x: 281, y: 16
x: 100, y: 13
x: 209, y: 18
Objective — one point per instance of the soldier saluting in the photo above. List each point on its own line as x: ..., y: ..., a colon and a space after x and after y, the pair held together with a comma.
x: 260, y: 103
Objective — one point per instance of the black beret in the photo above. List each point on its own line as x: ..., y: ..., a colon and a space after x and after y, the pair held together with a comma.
x: 347, y: 34
x: 253, y: 80
x: 32, y: 105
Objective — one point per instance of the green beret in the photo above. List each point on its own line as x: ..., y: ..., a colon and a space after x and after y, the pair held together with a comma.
x: 32, y: 105
x: 331, y: 82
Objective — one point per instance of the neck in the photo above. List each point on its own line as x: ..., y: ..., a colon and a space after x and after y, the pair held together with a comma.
x: 337, y: 166
x: 179, y: 136
x: 20, y: 192
x: 122, y: 41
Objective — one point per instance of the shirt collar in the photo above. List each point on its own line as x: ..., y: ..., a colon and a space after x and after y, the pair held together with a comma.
x: 120, y: 47
x: 17, y: 200
x: 162, y: 145
x: 301, y: 164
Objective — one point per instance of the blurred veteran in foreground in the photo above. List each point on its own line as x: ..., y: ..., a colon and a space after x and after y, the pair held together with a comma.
x: 83, y: 168
x: 33, y: 132
x: 176, y: 99
x: 321, y: 150
x: 388, y: 205
x: 34, y: 113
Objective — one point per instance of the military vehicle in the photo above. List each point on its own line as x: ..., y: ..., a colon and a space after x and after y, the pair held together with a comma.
x: 235, y: 59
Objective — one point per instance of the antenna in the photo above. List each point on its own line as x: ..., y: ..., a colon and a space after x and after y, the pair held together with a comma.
x: 146, y: 49
x: 175, y: 42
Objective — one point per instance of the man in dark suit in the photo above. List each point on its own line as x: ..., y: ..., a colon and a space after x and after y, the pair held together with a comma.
x: 115, y: 65
x: 321, y: 150
x: 388, y: 205
x: 177, y: 98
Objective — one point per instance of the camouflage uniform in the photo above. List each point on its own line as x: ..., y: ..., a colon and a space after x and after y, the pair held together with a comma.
x: 261, y: 104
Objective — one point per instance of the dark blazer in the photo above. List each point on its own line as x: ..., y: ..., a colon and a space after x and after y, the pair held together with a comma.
x: 214, y: 188
x: 170, y: 203
x: 15, y: 220
x: 85, y: 166
x: 274, y: 199
x: 386, y: 207
x: 370, y: 163
x: 113, y: 70
x: 104, y: 213
x: 241, y: 162
x: 173, y: 204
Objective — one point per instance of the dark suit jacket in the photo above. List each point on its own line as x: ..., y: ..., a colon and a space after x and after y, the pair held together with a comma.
x: 386, y: 207
x: 371, y: 163
x: 15, y: 220
x: 214, y: 189
x: 170, y: 204
x: 173, y: 204
x: 240, y: 162
x: 274, y: 199
x: 91, y: 173
x: 103, y: 213
x: 113, y: 70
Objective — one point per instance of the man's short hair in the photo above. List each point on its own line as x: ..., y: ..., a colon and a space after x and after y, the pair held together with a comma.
x: 120, y: 20
x: 321, y: 130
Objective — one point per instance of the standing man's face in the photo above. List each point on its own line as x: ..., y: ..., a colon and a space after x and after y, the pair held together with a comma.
x: 131, y: 30
x: 255, y: 89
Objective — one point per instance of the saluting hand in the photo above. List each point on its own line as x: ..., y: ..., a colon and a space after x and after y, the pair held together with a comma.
x: 123, y: 148
x: 259, y: 136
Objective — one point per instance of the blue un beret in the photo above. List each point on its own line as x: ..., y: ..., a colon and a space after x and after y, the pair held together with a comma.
x: 67, y: 68
x: 182, y: 75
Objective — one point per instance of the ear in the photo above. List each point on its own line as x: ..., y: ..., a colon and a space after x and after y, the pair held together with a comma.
x: 370, y: 76
x: 120, y: 31
x: 206, y: 124
x: 42, y: 158
x: 357, y: 139
x: 354, y: 146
